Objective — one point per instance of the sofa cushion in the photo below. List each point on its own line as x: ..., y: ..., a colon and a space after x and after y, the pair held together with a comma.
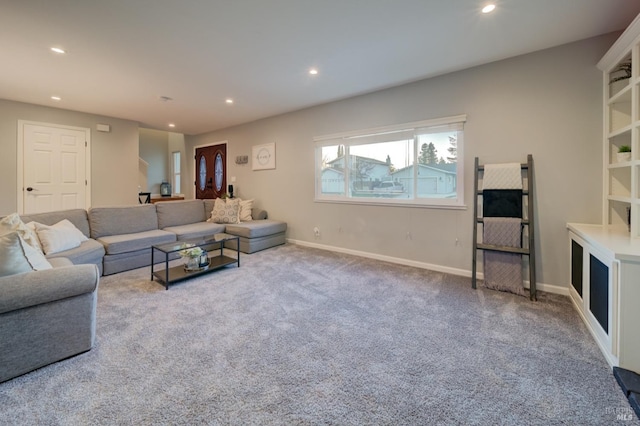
x: 124, y: 243
x: 195, y: 230
x: 115, y: 263
x: 107, y: 221
x: 59, y: 237
x: 16, y: 256
x: 208, y: 206
x: 258, y: 214
x: 76, y: 216
x: 59, y: 262
x: 89, y: 251
x: 256, y: 228
x: 176, y: 213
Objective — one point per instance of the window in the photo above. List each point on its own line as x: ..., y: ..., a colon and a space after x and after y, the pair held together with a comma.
x: 407, y: 164
x: 175, y: 170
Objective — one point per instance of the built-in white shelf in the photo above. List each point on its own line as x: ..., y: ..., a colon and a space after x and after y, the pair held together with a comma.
x: 605, y: 257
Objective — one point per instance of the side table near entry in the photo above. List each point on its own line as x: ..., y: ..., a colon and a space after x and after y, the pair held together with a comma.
x: 213, y: 245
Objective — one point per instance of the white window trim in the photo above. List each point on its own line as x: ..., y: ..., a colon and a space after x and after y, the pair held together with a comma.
x: 173, y: 171
x: 436, y: 203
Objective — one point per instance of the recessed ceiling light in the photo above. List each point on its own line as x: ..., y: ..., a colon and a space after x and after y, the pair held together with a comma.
x: 172, y: 125
x: 58, y: 50
x: 229, y: 101
x: 56, y: 98
x: 488, y: 8
x: 313, y: 71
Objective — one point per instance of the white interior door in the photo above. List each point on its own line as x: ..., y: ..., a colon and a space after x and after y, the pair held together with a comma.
x: 54, y: 167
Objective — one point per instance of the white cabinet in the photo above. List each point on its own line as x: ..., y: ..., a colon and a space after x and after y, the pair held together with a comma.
x: 605, y: 288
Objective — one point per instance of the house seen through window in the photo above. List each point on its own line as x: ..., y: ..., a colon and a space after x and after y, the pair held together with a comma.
x: 414, y: 163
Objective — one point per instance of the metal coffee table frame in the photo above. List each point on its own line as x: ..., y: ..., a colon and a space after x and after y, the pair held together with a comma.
x: 215, y: 250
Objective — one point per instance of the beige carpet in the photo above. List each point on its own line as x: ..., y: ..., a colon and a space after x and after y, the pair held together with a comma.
x: 303, y: 336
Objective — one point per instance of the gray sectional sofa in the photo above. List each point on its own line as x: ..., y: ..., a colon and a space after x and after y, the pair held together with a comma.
x: 50, y: 315
x: 120, y: 238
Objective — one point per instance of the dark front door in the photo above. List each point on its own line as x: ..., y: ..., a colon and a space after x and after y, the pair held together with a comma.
x: 211, y: 171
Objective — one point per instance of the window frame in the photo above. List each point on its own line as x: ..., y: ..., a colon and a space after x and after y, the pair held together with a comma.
x: 350, y: 138
x: 176, y: 188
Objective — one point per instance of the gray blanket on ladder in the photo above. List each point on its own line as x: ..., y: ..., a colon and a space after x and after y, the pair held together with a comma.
x: 503, y: 271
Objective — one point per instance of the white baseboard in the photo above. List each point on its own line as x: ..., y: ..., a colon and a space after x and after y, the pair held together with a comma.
x: 549, y: 288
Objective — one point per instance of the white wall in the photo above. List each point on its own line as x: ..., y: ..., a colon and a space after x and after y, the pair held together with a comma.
x: 154, y: 149
x: 546, y: 103
x: 114, y: 155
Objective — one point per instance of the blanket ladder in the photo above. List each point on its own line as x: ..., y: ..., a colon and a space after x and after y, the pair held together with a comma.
x: 528, y: 221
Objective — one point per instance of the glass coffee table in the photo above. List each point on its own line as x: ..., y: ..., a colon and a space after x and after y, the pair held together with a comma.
x: 215, y: 258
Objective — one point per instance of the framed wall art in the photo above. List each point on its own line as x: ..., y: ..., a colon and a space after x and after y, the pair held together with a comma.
x: 263, y: 156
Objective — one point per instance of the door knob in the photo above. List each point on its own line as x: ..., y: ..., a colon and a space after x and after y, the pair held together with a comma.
x: 29, y: 188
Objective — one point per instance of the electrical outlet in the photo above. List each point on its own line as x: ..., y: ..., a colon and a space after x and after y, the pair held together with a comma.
x: 316, y: 232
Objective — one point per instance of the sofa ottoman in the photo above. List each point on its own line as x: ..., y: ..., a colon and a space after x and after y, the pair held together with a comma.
x: 256, y: 235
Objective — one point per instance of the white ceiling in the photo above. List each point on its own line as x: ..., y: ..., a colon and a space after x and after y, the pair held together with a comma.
x: 123, y: 55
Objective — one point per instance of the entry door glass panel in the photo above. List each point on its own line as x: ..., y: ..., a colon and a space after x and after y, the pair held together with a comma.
x: 203, y: 173
x: 219, y: 172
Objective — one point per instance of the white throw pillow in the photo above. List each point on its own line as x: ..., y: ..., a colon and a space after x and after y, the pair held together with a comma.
x: 14, y: 223
x: 245, y: 210
x: 16, y: 256
x: 36, y: 258
x: 225, y: 211
x: 59, y: 237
